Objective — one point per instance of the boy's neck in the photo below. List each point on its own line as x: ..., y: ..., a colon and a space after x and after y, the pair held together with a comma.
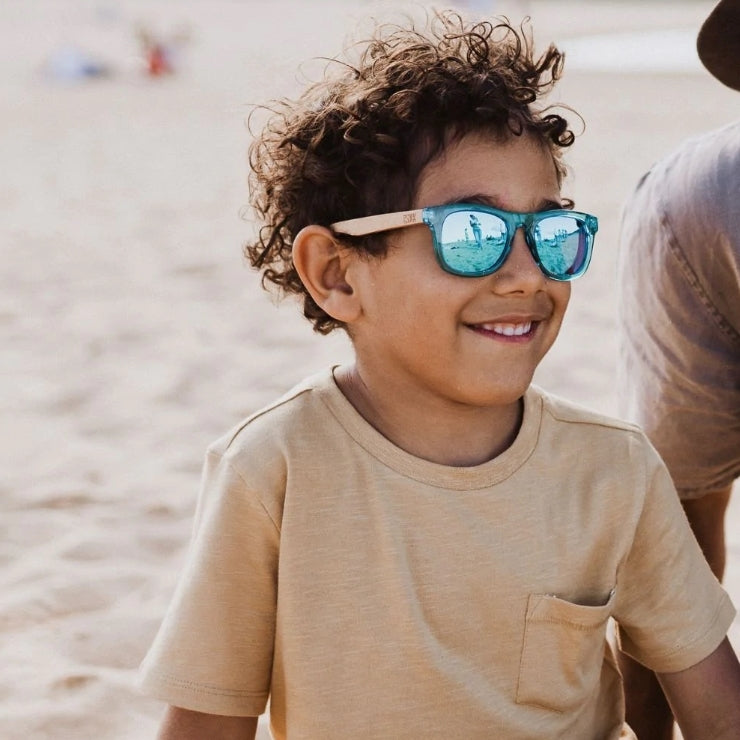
x: 447, y: 434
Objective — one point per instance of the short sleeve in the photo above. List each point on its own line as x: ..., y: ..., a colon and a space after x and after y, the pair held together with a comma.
x: 214, y: 650
x: 670, y: 609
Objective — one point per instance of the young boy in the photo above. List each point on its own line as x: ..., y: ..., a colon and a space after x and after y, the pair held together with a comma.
x: 422, y: 544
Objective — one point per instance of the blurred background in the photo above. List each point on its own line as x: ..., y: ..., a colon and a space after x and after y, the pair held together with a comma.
x: 132, y: 332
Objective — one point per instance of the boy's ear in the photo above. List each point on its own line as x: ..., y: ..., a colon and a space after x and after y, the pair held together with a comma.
x: 322, y: 265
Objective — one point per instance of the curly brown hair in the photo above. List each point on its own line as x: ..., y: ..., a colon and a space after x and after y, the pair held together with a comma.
x: 355, y: 143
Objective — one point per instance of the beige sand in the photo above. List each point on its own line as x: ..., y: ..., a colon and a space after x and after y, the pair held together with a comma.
x: 133, y: 335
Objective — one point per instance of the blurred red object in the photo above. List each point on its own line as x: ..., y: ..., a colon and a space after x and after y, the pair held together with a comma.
x: 158, y: 62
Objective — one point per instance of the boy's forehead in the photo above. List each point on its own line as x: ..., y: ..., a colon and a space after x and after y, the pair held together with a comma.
x: 513, y: 173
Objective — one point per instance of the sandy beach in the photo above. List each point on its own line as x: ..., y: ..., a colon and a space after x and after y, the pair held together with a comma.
x: 133, y: 334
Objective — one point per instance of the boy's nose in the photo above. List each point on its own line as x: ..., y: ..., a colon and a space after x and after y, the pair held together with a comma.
x: 519, y: 273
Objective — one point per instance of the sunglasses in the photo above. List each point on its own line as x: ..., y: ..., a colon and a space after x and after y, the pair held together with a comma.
x: 473, y: 240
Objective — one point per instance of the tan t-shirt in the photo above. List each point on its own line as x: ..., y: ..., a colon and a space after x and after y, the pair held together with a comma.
x: 371, y: 594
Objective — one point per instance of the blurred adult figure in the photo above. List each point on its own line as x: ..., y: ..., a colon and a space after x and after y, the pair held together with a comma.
x: 477, y: 233
x: 679, y: 323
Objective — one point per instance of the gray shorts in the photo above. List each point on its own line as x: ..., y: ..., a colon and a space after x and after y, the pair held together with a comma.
x: 679, y: 311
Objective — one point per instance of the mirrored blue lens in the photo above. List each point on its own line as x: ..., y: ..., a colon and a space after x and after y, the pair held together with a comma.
x: 563, y: 245
x: 472, y: 242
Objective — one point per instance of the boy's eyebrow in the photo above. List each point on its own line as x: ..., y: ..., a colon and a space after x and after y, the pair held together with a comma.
x: 546, y: 204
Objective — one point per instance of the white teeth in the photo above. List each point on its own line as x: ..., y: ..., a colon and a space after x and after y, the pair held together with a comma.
x: 510, y: 330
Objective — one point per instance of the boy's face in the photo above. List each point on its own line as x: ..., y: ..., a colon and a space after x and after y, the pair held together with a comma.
x: 475, y: 341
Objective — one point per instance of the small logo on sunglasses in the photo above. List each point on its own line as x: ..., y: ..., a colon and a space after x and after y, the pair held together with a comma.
x: 409, y: 218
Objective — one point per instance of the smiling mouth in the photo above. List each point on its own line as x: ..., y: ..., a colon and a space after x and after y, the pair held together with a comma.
x: 506, y: 329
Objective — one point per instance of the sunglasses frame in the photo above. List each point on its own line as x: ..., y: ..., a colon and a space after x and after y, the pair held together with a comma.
x: 434, y: 216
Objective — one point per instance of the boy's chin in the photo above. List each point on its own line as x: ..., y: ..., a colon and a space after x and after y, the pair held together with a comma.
x: 499, y: 397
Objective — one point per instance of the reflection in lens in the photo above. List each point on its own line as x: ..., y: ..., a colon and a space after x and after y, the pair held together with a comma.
x: 561, y: 244
x: 471, y: 241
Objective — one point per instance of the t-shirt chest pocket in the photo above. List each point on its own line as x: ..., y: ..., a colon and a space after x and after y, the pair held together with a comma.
x: 562, y: 653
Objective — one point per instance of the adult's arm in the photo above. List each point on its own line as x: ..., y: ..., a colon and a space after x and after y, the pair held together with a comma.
x: 184, y: 724
x: 705, y: 698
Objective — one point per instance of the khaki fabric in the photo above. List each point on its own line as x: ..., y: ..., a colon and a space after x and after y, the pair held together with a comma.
x: 679, y: 311
x: 371, y: 594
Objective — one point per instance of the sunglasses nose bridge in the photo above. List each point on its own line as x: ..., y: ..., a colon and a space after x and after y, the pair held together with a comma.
x: 527, y: 224
x: 513, y: 224
x: 521, y: 222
